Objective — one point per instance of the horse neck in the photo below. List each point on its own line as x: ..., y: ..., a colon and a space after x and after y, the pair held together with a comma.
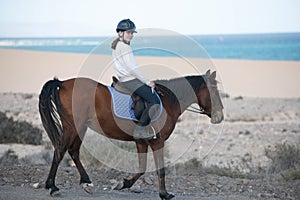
x: 181, y: 92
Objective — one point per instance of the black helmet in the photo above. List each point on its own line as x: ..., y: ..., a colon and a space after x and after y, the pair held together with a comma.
x: 126, y: 25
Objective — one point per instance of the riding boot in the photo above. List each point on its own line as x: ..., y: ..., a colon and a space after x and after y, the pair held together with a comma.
x: 141, y: 133
x: 143, y: 130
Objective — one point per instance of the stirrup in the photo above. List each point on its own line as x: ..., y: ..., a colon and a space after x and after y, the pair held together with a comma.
x: 154, y: 134
x: 148, y: 135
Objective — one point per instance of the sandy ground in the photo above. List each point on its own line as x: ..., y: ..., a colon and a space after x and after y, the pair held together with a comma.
x: 251, y: 123
x: 263, y: 110
x: 27, y: 71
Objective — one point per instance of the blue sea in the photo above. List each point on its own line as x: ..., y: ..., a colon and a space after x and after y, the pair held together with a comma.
x: 281, y: 46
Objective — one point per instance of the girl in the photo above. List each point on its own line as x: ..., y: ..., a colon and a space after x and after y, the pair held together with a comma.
x: 131, y: 77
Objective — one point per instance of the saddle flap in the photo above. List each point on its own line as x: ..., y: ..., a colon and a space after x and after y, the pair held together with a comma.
x: 122, y: 105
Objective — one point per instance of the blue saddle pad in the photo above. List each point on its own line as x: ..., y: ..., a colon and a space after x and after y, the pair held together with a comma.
x: 122, y: 105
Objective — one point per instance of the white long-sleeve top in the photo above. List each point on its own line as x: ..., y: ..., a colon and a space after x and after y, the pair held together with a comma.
x: 125, y: 65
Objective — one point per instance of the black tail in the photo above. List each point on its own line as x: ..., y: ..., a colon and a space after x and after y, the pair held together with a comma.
x: 50, y: 110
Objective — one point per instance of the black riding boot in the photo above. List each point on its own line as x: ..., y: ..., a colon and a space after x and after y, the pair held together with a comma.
x: 143, y: 129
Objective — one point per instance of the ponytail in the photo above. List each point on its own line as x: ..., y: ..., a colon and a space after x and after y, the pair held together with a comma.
x: 114, y: 43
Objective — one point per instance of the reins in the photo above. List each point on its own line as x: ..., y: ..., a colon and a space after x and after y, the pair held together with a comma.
x: 196, y: 110
x: 200, y: 110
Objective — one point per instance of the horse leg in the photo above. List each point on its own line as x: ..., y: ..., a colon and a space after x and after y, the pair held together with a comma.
x: 74, y: 152
x: 158, y: 154
x: 50, y: 182
x: 142, y: 149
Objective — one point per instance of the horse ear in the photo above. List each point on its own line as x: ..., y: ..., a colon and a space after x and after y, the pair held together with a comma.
x: 207, y: 74
x: 213, y: 76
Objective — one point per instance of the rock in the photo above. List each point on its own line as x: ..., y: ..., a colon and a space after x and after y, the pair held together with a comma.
x: 113, y: 181
x: 118, y: 185
x: 267, y: 195
x: 36, y: 185
x: 88, y: 187
x: 211, y: 181
x: 5, y: 179
x: 219, y: 186
x: 105, y: 188
x: 136, y: 189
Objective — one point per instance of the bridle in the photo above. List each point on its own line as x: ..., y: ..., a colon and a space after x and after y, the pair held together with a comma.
x: 197, y: 110
x: 200, y: 110
x: 191, y: 108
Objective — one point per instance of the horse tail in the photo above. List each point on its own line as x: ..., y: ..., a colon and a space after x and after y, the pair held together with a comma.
x: 50, y: 109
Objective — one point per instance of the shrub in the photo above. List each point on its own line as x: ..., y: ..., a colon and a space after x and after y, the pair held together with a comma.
x: 192, y: 164
x: 18, y: 132
x: 285, y: 160
x: 9, y: 158
x: 284, y: 156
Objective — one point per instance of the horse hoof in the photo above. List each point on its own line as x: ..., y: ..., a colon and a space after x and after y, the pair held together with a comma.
x: 55, y: 193
x: 118, y: 186
x: 170, y: 196
x: 88, y: 187
x: 167, y: 196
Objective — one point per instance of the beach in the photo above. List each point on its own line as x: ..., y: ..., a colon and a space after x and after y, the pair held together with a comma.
x: 262, y: 110
x: 27, y: 71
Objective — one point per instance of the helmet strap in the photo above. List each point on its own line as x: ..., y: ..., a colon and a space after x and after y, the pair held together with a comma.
x: 121, y: 38
x: 121, y: 35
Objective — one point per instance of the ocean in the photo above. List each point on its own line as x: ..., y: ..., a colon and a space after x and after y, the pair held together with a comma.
x: 281, y: 46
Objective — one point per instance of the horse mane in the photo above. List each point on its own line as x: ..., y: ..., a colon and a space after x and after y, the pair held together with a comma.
x: 177, y: 90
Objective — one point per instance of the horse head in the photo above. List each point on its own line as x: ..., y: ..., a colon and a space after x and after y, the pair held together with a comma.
x: 209, y: 98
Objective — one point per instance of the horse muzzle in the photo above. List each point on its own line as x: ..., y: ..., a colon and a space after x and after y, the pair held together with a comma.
x: 217, y: 117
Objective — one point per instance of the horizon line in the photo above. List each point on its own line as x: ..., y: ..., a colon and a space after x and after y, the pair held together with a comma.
x: 108, y: 36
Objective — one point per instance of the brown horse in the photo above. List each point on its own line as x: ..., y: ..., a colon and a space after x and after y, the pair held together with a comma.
x: 68, y: 108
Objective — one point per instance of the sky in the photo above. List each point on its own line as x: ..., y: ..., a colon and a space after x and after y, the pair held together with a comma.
x: 63, y: 18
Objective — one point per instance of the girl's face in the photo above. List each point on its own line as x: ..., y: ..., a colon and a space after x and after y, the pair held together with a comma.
x: 127, y: 35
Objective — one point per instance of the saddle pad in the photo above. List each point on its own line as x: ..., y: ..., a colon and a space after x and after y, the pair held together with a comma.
x: 122, y: 105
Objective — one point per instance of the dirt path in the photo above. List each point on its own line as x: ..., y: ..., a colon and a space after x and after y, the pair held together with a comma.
x: 23, y: 193
x: 16, y: 183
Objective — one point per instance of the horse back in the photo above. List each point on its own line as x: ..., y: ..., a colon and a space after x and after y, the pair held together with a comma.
x: 80, y: 96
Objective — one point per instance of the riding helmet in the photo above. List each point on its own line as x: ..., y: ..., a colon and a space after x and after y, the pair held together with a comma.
x: 126, y: 25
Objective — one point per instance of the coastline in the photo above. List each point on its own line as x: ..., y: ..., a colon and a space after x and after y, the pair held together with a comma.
x: 26, y: 71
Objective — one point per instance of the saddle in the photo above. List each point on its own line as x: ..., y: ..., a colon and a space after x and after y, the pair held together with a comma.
x: 138, y: 104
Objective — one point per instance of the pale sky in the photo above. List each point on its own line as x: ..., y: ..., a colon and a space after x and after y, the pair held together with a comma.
x: 44, y: 18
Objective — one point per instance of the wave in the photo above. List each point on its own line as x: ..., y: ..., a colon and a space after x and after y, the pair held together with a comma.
x: 17, y: 42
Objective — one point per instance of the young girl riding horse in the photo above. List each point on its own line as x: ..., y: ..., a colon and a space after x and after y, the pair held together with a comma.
x: 132, y: 78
